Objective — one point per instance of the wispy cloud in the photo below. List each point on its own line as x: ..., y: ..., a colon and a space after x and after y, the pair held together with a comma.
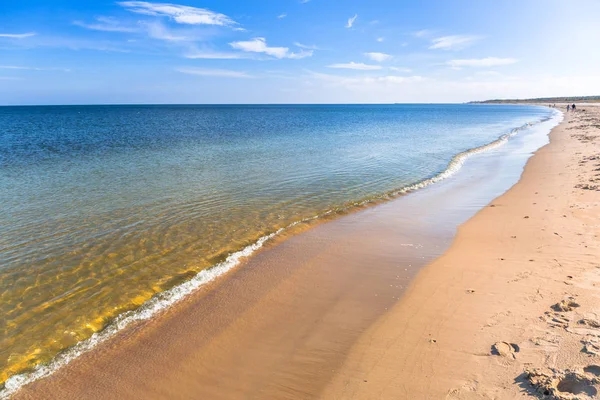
x: 351, y: 21
x: 365, y: 81
x: 223, y: 73
x: 282, y: 16
x: 304, y: 1
x: 205, y: 55
x: 17, y: 35
x: 453, y: 42
x: 380, y: 39
x: 300, y: 54
x: 156, y: 30
x: 18, y: 67
x: 353, y: 65
x: 106, y: 24
x: 75, y: 43
x: 400, y: 69
x: 259, y: 45
x: 481, y: 62
x: 488, y: 73
x: 379, y: 57
x: 178, y: 13
x: 306, y: 46
x: 423, y: 33
x: 398, y: 79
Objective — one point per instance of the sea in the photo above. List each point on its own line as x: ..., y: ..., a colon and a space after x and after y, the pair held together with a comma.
x: 110, y: 214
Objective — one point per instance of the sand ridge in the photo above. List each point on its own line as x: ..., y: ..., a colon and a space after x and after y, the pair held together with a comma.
x: 513, y: 305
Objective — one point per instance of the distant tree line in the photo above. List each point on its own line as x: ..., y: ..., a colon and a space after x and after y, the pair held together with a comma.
x: 572, y: 99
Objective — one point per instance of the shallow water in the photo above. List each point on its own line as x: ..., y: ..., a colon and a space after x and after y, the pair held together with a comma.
x: 104, y: 206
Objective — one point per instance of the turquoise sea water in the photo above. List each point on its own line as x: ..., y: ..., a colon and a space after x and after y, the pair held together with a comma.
x: 103, y: 208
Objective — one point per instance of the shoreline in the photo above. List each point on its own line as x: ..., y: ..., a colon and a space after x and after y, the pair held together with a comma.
x: 511, y: 309
x: 171, y: 297
x: 207, y: 291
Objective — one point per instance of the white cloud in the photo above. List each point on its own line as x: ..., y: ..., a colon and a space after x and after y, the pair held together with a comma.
x: 379, y: 57
x: 353, y: 65
x: 334, y: 88
x: 423, y: 33
x: 75, y: 43
x: 400, y: 69
x: 351, y: 21
x: 205, y: 55
x: 488, y: 73
x: 306, y: 46
x: 157, y: 31
x: 300, y: 54
x: 17, y: 35
x: 259, y: 45
x: 453, y: 42
x: 106, y: 24
x: 365, y: 81
x: 380, y: 39
x: 399, y: 79
x: 281, y: 16
x: 223, y: 73
x: 481, y: 62
x: 154, y: 29
x: 33, y: 68
x: 180, y: 14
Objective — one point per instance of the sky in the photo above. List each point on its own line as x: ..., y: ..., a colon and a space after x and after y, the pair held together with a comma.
x: 296, y: 51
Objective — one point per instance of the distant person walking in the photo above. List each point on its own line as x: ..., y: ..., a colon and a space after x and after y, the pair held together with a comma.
x: 573, y: 107
x: 568, y: 107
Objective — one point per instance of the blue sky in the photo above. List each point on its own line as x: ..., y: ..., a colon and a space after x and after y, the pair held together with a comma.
x: 296, y: 51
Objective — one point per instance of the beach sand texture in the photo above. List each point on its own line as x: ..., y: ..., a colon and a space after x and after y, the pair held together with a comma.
x: 510, y: 310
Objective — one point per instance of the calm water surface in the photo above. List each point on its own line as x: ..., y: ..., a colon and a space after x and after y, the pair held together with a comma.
x: 102, y: 207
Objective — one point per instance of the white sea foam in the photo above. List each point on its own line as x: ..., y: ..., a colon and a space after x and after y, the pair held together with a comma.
x: 146, y: 311
x: 169, y: 297
x: 457, y: 161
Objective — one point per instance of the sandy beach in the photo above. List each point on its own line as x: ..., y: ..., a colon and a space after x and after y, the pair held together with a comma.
x: 354, y: 309
x: 512, y: 310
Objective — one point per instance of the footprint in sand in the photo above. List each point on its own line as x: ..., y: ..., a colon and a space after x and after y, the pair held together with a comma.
x: 565, y: 305
x: 591, y: 344
x: 556, y: 320
x: 588, y: 326
x: 592, y: 369
x: 505, y: 349
x: 576, y: 384
x: 592, y: 322
x: 565, y: 385
x: 497, y: 318
x: 547, y: 341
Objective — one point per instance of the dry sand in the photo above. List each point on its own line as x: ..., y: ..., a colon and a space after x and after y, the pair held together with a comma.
x: 315, y: 317
x: 512, y: 310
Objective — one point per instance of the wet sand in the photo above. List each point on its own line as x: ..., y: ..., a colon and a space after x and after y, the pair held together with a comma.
x: 327, y: 313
